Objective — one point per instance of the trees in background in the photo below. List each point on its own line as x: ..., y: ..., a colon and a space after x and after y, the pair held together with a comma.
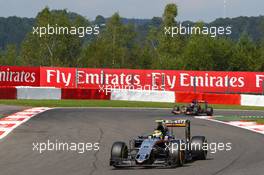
x: 125, y: 45
x: 113, y: 48
x: 203, y: 52
x: 198, y: 53
x: 53, y: 50
x: 9, y: 56
x: 245, y: 56
x: 169, y: 48
x: 261, y: 65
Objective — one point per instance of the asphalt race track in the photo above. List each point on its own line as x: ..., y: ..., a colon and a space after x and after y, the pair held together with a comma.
x: 108, y: 125
x: 7, y: 110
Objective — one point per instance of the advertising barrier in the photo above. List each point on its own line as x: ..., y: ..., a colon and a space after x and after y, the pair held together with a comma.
x: 19, y: 76
x: 93, y: 94
x: 228, y: 99
x: 38, y: 93
x: 8, y: 93
x: 165, y: 80
x: 147, y: 96
x: 51, y: 93
x: 252, y: 100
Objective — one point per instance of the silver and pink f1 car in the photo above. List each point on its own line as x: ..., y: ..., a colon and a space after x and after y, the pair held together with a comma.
x: 162, y: 148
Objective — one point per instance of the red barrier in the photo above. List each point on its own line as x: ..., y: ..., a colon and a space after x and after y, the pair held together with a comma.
x: 169, y: 80
x: 69, y: 93
x: 229, y: 99
x: 19, y: 76
x: 8, y: 93
x: 58, y: 77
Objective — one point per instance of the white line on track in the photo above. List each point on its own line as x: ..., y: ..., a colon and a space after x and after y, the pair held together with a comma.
x: 252, y: 126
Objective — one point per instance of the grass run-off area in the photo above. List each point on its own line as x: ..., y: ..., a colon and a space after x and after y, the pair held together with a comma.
x: 260, y: 121
x: 257, y: 119
x: 107, y: 103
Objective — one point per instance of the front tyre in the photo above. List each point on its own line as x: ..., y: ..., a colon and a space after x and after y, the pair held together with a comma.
x: 176, y: 110
x: 119, y: 152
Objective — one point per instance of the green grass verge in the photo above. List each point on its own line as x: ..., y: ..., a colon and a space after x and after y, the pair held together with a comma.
x: 85, y: 103
x: 260, y: 121
x: 239, y: 118
x: 108, y: 103
x: 257, y: 119
x: 229, y: 118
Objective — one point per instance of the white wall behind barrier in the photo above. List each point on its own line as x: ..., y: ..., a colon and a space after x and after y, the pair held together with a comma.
x: 38, y: 93
x: 252, y: 100
x: 148, y: 96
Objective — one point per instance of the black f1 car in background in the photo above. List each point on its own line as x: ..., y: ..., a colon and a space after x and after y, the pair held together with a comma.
x: 194, y: 108
x: 161, y: 148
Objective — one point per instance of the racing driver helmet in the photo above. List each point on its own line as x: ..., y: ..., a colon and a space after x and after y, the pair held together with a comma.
x: 157, y: 134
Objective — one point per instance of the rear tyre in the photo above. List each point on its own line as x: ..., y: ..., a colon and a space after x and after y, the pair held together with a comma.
x: 209, y: 111
x: 176, y: 155
x: 196, y: 110
x: 175, y: 110
x: 119, y: 151
x: 198, y: 147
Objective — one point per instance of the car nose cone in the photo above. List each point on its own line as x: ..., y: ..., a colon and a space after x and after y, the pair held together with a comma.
x: 141, y: 158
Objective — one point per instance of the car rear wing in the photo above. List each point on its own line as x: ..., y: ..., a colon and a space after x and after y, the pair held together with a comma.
x: 178, y: 123
x: 175, y: 123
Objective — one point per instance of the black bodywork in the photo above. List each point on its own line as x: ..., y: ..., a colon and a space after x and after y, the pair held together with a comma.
x: 147, y: 151
x: 194, y: 108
